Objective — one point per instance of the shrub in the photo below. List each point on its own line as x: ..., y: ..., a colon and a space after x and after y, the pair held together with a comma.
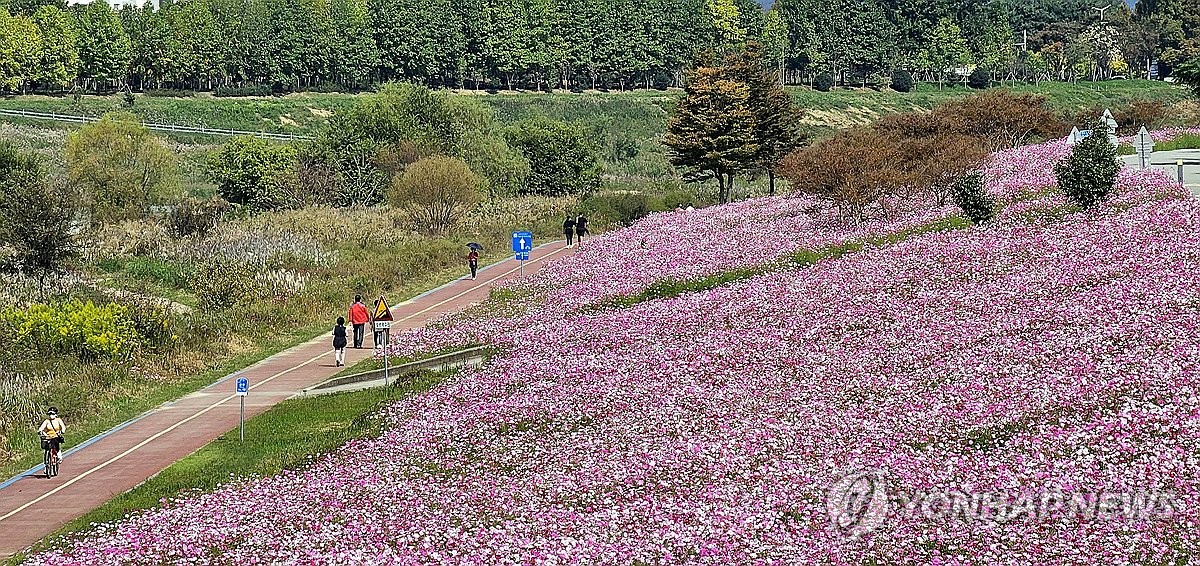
x: 121, y: 166
x: 254, y: 172
x: 902, y: 81
x: 77, y: 328
x: 620, y: 209
x: 196, y: 217
x: 438, y: 191
x: 168, y: 93
x: 1001, y: 118
x: 823, y: 82
x: 221, y: 284
x: 243, y: 90
x: 972, y: 197
x: 980, y: 78
x: 1089, y: 174
x: 1152, y: 114
x: 562, y: 161
x: 36, y: 215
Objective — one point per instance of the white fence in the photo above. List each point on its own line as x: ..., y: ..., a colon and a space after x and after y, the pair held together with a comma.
x: 156, y: 127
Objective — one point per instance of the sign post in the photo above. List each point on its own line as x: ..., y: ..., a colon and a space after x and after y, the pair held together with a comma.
x: 1111, y: 124
x: 1144, y: 146
x: 383, y: 323
x: 243, y: 387
x: 522, y: 243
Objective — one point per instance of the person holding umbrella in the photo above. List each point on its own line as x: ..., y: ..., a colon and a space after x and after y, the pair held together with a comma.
x: 473, y: 258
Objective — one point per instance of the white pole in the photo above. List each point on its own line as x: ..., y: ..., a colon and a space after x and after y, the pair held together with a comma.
x: 242, y: 419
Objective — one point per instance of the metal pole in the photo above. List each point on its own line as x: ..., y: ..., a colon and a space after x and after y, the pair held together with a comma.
x: 242, y: 418
x: 386, y: 368
x: 1179, y: 170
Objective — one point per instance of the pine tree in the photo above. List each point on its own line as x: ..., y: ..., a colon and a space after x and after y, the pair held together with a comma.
x: 711, y: 134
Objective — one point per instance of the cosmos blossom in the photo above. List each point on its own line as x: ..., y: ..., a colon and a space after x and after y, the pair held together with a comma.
x: 1049, y: 349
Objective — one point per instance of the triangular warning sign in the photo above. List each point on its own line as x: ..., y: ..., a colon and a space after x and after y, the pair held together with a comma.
x: 382, y: 312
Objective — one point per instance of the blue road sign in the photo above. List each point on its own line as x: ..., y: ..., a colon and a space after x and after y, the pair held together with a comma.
x: 243, y: 386
x: 522, y: 256
x: 522, y: 243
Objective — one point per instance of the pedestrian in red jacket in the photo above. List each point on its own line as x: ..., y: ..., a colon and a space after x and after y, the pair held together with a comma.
x: 359, y: 317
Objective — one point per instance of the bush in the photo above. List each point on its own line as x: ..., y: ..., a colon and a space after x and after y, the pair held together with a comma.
x: 979, y: 79
x: 1152, y: 114
x: 562, y: 161
x: 823, y: 82
x: 616, y: 209
x: 220, y: 285
x: 76, y: 328
x: 121, y: 166
x: 972, y: 197
x: 243, y: 90
x: 196, y: 217
x: 36, y: 215
x: 256, y: 173
x: 902, y: 81
x: 1089, y: 174
x: 438, y: 191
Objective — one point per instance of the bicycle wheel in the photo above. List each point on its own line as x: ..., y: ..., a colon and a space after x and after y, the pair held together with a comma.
x: 54, y: 462
x: 47, y: 461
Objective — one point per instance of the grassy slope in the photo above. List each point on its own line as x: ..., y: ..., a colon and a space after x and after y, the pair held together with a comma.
x: 284, y: 437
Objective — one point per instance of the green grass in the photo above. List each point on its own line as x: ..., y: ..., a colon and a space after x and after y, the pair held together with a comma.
x: 669, y: 287
x: 284, y: 437
x: 1186, y: 141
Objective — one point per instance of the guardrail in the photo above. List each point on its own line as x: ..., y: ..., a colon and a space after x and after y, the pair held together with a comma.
x: 366, y: 379
x: 175, y: 128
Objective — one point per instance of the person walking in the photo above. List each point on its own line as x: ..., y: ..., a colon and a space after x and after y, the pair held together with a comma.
x: 359, y: 317
x: 580, y: 228
x: 569, y: 231
x: 339, y: 343
x: 473, y: 262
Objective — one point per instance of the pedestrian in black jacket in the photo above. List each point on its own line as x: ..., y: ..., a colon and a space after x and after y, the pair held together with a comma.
x: 580, y: 228
x: 569, y: 231
x: 339, y: 342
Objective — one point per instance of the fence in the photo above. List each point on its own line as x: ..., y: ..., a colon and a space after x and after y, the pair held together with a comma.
x: 175, y: 128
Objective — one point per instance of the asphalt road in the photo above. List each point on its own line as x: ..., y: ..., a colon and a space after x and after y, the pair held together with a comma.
x: 1167, y: 160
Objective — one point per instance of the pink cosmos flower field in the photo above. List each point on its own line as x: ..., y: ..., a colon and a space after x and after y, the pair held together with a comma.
x: 1050, y: 351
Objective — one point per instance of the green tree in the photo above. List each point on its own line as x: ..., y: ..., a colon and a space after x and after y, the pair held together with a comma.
x: 58, y: 61
x: 711, y: 133
x: 727, y: 21
x: 36, y: 216
x: 20, y: 48
x: 775, y: 117
x: 151, y: 46
x: 1189, y: 74
x: 775, y: 41
x: 354, y: 55
x: 121, y: 167
x: 561, y: 159
x: 103, y: 45
x: 946, y: 51
x: 254, y: 172
x: 195, y: 45
x: 436, y: 191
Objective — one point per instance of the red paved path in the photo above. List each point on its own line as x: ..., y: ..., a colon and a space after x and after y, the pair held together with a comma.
x: 32, y: 506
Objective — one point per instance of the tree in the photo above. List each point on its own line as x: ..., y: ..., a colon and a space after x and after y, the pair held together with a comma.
x: 946, y: 50
x: 902, y: 81
x: 104, y: 49
x: 1089, y: 174
x: 20, y: 47
x: 58, y: 60
x: 121, y: 167
x: 854, y: 170
x: 438, y: 191
x: 1188, y: 73
x: 561, y: 160
x: 711, y: 134
x: 254, y: 172
x: 775, y: 42
x: 776, y: 119
x: 971, y: 196
x: 36, y: 216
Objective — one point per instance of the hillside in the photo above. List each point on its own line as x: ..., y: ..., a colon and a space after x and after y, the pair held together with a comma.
x: 717, y: 387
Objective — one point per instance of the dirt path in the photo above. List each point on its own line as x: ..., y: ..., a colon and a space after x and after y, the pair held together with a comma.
x: 32, y: 506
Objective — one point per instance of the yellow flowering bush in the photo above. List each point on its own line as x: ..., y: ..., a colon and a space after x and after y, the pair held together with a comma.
x: 73, y: 327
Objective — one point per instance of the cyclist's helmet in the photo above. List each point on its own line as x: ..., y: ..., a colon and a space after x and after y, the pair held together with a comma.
x: 53, y: 411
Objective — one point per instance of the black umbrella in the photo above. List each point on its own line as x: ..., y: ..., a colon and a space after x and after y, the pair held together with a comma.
x: 474, y: 246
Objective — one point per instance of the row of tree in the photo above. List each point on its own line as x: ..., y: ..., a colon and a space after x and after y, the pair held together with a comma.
x: 298, y: 44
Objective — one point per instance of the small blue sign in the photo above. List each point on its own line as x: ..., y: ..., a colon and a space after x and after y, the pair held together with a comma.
x: 243, y: 385
x: 522, y: 243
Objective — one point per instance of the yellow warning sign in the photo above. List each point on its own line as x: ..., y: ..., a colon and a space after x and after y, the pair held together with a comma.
x: 382, y: 312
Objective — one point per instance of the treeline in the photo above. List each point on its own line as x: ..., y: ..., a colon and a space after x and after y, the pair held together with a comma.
x: 858, y: 40
x: 260, y: 46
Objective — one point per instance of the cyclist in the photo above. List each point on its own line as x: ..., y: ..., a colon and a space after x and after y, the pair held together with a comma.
x: 51, y: 431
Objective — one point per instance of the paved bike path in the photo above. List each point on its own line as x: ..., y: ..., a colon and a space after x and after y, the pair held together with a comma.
x: 32, y: 506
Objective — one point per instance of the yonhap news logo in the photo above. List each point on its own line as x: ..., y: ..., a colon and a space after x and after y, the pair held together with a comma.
x: 862, y: 502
